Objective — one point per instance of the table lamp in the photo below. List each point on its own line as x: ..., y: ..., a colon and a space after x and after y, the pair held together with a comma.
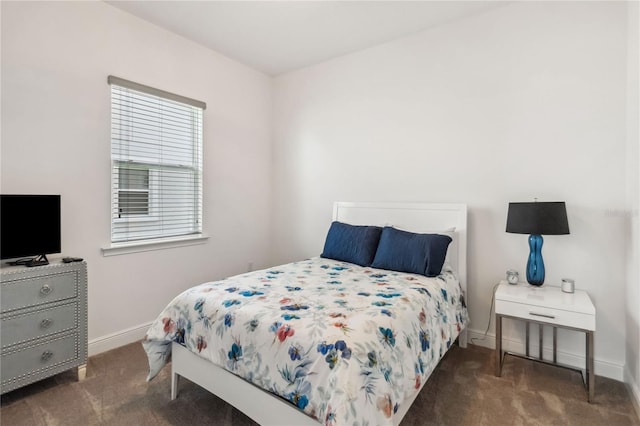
x: 536, y: 219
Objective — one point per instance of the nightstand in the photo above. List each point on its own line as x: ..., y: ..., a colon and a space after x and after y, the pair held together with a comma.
x: 546, y: 305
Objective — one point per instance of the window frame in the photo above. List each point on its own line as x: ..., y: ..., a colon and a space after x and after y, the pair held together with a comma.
x: 191, y: 173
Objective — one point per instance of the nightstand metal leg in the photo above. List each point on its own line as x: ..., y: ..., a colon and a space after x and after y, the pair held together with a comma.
x: 526, y: 342
x: 555, y: 342
x: 498, y: 345
x: 589, y: 372
x: 540, y: 341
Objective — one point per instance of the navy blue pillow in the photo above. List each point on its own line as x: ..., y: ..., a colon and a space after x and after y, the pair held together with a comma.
x: 351, y: 243
x: 404, y: 251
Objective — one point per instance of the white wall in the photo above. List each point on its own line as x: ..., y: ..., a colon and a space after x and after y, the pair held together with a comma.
x: 527, y: 100
x: 56, y: 139
x: 632, y: 372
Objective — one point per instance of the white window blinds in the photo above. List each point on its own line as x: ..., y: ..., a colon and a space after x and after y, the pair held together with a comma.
x: 156, y: 157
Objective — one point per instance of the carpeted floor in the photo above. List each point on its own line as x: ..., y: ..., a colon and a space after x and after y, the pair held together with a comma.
x: 462, y: 391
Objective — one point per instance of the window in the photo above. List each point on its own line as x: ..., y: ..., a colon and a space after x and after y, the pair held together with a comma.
x: 156, y: 161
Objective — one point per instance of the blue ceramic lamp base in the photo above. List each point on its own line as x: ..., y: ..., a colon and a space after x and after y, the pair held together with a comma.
x: 535, y: 265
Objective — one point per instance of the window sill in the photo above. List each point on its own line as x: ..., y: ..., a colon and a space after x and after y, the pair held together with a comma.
x: 116, y: 249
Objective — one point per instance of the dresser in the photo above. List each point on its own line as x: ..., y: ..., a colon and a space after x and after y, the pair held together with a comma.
x: 546, y: 306
x: 43, y: 322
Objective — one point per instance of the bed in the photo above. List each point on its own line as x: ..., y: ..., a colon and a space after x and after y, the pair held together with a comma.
x: 322, y: 340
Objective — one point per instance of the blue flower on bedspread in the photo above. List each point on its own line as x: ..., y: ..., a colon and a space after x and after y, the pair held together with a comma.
x: 386, y: 373
x: 252, y: 325
x: 444, y: 294
x: 324, y: 348
x: 424, y: 340
x: 295, y: 352
x: 228, y: 320
x: 420, y: 365
x: 332, y: 358
x: 388, y: 295
x: 422, y: 290
x: 294, y: 307
x: 387, y: 336
x: 250, y: 293
x: 289, y: 317
x: 344, y: 350
x: 299, y: 396
x: 234, y: 356
x: 274, y: 327
x: 180, y: 331
x: 198, y: 305
x: 230, y: 302
x: 333, y: 352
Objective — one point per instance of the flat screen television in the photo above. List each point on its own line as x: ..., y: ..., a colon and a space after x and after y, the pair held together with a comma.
x: 29, y: 226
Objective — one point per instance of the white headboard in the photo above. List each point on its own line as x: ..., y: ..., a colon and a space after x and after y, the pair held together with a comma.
x: 415, y: 217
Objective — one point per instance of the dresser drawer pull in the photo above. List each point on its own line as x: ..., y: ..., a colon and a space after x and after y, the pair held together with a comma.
x: 46, y: 289
x: 542, y: 315
x: 46, y: 323
x: 46, y: 355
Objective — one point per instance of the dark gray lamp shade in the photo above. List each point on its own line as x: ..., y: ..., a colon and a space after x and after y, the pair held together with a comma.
x: 547, y: 218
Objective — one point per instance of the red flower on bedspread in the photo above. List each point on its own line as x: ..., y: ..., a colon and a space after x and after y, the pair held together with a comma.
x: 385, y: 405
x: 169, y: 325
x: 423, y: 316
x: 284, y: 332
x: 201, y: 343
x: 342, y: 326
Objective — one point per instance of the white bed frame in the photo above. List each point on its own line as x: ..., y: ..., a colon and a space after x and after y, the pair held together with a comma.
x: 268, y: 409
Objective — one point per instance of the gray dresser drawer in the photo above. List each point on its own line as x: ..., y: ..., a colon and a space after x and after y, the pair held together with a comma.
x: 33, y: 359
x: 24, y: 327
x: 35, y: 291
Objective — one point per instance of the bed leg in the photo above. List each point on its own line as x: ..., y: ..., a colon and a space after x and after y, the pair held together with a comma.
x: 462, y: 339
x: 174, y: 385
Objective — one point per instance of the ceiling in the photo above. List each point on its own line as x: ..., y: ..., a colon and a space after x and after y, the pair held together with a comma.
x: 280, y: 36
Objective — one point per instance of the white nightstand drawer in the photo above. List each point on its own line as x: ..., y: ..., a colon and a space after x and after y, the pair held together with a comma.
x: 547, y: 315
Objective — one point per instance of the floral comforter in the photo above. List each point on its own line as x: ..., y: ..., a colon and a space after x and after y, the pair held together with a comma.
x: 345, y: 344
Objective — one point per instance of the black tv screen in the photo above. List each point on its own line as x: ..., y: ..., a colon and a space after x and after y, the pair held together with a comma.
x: 29, y: 225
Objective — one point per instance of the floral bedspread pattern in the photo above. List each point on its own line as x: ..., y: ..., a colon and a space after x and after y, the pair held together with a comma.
x: 345, y: 344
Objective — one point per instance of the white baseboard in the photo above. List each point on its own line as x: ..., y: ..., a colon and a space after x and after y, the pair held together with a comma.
x: 118, y: 339
x: 602, y: 368
x: 634, y: 390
